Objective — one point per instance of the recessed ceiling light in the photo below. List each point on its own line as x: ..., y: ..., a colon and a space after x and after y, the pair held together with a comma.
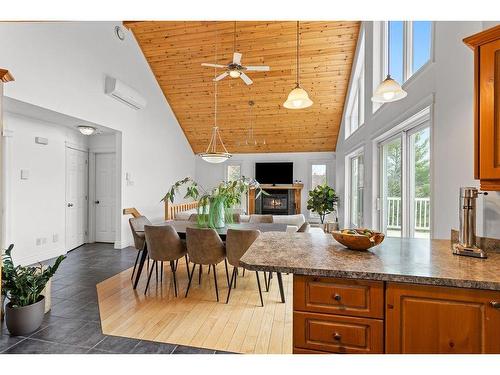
x: 120, y: 34
x: 86, y: 130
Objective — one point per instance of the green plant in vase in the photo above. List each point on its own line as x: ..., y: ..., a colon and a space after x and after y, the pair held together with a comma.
x: 323, y: 200
x: 215, y: 207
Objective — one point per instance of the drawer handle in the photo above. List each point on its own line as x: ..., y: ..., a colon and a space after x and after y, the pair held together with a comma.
x: 337, y: 297
x: 495, y: 304
x: 337, y: 336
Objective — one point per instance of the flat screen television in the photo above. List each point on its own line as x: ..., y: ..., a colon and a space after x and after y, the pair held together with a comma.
x: 274, y: 173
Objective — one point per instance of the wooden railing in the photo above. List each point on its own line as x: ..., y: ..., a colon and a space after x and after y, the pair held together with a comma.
x: 172, y: 209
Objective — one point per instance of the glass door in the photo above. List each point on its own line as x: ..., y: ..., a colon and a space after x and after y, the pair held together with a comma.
x: 391, y: 187
x: 356, y: 191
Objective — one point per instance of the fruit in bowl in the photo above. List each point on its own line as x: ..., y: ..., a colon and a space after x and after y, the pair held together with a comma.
x: 358, y: 238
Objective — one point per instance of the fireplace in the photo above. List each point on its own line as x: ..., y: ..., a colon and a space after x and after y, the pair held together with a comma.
x: 278, y: 202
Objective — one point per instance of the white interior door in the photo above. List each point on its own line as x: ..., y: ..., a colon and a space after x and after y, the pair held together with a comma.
x: 105, y: 179
x: 76, y: 197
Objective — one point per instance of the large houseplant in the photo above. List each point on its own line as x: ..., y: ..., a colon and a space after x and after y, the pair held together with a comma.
x: 215, y: 207
x: 23, y: 286
x: 322, y: 200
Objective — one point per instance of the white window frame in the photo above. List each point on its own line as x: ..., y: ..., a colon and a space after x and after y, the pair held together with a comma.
x: 328, y: 164
x: 232, y: 164
x: 418, y: 121
x: 347, y: 187
x: 356, y: 91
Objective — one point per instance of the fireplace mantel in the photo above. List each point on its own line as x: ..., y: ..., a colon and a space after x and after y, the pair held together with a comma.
x: 297, y: 191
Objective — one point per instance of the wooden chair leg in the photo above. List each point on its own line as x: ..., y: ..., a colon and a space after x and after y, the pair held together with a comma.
x: 260, y: 290
x: 227, y: 272
x: 173, y: 267
x: 135, y: 264
x: 190, y: 278
x: 187, y: 265
x: 215, y: 279
x: 149, y: 279
x: 233, y: 275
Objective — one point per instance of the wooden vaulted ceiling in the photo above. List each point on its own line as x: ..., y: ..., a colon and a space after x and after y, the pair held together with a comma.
x: 175, y: 51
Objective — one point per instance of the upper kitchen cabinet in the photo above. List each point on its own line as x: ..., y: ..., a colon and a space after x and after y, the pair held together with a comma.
x: 486, y: 46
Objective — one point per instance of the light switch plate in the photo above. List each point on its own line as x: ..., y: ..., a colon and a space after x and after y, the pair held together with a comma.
x: 41, y: 141
x: 25, y: 174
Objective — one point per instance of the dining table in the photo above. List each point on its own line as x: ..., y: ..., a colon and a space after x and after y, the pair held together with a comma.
x: 180, y: 227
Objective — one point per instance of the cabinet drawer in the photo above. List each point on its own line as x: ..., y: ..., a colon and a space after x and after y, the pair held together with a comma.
x: 337, y: 334
x: 339, y: 296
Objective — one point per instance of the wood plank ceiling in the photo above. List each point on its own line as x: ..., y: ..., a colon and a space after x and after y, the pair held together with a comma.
x: 175, y: 51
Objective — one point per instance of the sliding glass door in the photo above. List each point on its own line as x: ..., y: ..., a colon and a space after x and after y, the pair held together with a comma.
x: 404, y: 199
x: 356, y: 171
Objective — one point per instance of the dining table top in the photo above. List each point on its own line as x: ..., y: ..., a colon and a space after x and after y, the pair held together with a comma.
x: 180, y: 227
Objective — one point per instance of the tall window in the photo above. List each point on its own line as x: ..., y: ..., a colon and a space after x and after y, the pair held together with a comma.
x: 355, y: 189
x: 355, y: 112
x: 318, y: 175
x: 410, y: 47
x: 233, y: 172
x: 405, y: 181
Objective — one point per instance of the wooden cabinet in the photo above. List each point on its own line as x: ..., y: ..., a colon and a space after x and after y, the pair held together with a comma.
x: 429, y: 319
x: 486, y: 46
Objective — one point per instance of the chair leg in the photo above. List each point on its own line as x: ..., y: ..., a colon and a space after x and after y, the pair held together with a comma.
x: 187, y: 265
x: 135, y: 264
x: 161, y: 272
x: 280, y: 283
x: 267, y: 281
x: 149, y: 279
x: 233, y: 275
x: 208, y: 273
x: 199, y: 274
x: 227, y: 272
x: 243, y: 272
x: 173, y: 267
x: 190, y: 278
x: 176, y: 263
x: 260, y: 290
x: 155, y: 265
x: 215, y: 279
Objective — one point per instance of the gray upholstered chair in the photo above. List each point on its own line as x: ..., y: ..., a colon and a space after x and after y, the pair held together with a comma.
x: 261, y: 219
x: 237, y: 243
x: 205, y: 247
x: 164, y: 245
x: 137, y: 226
x: 304, y: 228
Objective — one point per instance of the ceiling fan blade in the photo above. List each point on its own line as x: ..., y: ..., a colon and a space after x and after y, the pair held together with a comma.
x: 259, y: 68
x: 237, y: 58
x: 223, y: 75
x: 213, y: 65
x: 246, y: 78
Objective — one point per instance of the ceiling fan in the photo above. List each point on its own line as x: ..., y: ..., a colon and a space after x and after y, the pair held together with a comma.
x: 234, y: 69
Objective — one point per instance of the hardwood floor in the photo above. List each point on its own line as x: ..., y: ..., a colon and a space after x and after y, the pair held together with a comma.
x: 241, y: 326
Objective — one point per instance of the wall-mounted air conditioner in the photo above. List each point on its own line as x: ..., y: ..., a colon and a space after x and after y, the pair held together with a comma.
x: 123, y: 93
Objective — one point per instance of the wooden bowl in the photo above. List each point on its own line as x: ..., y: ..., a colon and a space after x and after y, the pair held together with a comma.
x: 358, y: 241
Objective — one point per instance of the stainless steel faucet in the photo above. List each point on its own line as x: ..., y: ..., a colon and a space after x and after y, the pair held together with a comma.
x: 467, y: 232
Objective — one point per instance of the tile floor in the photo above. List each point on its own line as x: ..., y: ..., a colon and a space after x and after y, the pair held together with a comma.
x: 73, y: 325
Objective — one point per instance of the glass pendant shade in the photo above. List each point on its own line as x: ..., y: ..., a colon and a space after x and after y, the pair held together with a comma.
x: 298, y: 99
x: 388, y: 91
x: 87, y: 130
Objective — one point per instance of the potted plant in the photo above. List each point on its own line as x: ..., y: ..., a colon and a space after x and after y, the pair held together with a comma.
x: 23, y: 286
x: 215, y: 207
x: 322, y: 200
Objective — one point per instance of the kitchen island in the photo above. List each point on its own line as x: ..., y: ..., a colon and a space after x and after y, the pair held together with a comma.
x: 404, y: 296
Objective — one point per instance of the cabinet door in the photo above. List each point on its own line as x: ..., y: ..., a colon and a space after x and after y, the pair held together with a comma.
x: 489, y: 112
x: 427, y: 319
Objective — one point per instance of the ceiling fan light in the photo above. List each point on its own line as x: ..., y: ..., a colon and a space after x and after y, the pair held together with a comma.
x: 86, y: 130
x: 388, y: 91
x: 234, y: 73
x: 298, y: 99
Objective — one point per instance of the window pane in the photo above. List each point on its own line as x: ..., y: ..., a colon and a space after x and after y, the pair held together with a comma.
x: 396, y: 50
x: 318, y: 175
x: 420, y: 179
x: 233, y: 172
x: 391, y: 188
x: 356, y: 193
x: 421, y: 44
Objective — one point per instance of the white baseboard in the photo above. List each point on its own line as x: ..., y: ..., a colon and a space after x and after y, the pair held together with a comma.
x: 39, y: 257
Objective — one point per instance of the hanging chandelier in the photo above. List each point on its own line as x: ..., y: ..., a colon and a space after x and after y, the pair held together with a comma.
x: 388, y: 90
x: 215, y: 154
x: 298, y: 97
x: 250, y: 139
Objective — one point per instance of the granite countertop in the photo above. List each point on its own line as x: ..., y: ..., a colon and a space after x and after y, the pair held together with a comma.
x: 418, y: 261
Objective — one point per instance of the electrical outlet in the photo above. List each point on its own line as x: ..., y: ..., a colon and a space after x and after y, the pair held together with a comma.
x: 38, y: 241
x: 55, y: 237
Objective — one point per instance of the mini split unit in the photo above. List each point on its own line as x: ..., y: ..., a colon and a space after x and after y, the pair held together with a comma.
x: 124, y: 93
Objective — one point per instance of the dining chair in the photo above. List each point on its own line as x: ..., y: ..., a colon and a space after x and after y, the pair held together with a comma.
x: 137, y: 226
x: 237, y: 243
x: 261, y: 219
x: 205, y: 247
x: 304, y: 228
x: 164, y: 245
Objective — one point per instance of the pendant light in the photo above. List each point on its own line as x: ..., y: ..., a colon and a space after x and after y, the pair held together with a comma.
x: 213, y: 154
x: 250, y: 139
x: 298, y: 97
x: 388, y: 90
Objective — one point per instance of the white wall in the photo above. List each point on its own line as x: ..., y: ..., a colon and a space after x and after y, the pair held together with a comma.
x: 209, y: 175
x: 446, y: 84
x: 61, y: 66
x: 35, y: 206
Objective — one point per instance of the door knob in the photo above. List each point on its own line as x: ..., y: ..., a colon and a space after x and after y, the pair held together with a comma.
x: 70, y: 204
x: 96, y: 202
